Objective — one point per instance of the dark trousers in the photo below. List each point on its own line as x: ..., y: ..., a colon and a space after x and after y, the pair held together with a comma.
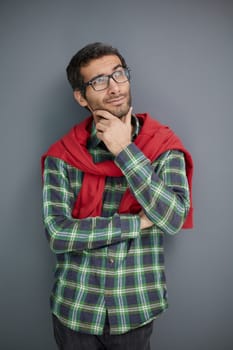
x: 67, y: 339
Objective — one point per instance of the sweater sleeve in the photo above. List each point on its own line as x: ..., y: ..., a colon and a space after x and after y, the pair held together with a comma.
x: 66, y: 234
x: 161, y: 188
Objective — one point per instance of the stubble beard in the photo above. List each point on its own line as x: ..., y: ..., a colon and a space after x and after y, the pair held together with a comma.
x: 121, y: 111
x: 118, y: 112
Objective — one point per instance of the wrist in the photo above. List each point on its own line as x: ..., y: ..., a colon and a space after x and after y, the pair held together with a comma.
x: 121, y: 148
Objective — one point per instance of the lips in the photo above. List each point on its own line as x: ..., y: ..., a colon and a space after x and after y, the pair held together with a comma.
x: 116, y: 100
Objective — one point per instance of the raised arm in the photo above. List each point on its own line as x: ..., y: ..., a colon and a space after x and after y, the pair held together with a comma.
x: 161, y: 188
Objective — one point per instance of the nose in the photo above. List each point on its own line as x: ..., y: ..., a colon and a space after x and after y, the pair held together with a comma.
x: 113, y: 86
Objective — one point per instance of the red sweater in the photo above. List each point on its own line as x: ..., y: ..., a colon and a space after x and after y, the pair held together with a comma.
x: 153, y: 140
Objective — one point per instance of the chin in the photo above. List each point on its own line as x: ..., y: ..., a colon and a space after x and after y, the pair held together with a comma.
x: 120, y: 112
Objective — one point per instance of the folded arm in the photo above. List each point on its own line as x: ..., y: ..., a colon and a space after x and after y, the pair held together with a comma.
x: 67, y: 234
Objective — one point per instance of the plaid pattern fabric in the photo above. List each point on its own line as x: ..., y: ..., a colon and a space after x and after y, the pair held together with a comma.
x: 107, y: 263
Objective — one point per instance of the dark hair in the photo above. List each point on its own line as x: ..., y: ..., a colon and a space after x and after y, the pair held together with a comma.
x: 83, y: 57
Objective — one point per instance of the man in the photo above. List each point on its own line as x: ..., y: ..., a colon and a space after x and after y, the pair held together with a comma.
x: 112, y: 187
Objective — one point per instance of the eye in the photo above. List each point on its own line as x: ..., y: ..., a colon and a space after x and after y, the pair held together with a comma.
x: 99, y: 81
x: 119, y: 74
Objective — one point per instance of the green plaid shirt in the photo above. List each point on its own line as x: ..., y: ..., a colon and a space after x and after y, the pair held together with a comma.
x: 107, y: 264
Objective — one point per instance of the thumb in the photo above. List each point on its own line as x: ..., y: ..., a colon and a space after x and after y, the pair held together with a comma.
x: 128, y: 116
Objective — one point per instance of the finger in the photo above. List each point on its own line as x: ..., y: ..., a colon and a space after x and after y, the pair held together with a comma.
x: 100, y: 127
x: 99, y: 135
x: 104, y: 121
x: 104, y: 114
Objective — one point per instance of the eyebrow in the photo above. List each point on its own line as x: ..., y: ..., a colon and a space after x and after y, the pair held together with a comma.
x: 118, y: 66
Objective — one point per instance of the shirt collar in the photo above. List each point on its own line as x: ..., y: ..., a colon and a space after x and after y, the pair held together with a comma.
x: 94, y: 141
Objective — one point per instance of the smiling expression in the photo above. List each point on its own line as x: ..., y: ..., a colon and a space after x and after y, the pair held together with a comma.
x: 116, y: 99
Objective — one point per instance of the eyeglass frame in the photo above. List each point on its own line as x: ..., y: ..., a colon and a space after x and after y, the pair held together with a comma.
x: 109, y: 76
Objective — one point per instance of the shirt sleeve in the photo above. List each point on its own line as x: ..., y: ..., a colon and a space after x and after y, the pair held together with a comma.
x: 161, y: 188
x: 67, y: 234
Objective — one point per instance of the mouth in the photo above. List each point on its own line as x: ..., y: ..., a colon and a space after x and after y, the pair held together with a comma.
x: 116, y: 101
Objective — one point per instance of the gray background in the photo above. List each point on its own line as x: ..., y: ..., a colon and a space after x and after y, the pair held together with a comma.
x: 181, y: 56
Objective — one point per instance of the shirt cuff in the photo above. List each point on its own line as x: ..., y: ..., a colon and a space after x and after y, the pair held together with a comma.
x: 130, y: 226
x: 125, y: 160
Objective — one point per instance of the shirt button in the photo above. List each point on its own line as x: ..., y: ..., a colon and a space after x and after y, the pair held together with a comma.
x: 111, y: 261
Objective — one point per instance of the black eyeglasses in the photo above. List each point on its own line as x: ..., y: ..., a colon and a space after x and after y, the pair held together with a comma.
x: 101, y: 82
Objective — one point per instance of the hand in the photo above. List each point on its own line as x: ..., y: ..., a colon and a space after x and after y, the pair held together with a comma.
x: 113, y: 131
x: 145, y: 222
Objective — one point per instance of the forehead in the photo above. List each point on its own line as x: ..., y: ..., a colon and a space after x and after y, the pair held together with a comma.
x: 98, y: 66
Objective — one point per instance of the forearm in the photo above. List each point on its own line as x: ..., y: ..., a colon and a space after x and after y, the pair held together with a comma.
x: 67, y: 234
x: 161, y: 191
x: 70, y: 235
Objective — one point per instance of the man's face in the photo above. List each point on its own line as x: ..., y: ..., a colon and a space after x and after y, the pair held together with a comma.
x: 116, y: 98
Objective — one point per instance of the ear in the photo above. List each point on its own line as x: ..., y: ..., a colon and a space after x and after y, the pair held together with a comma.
x: 79, y: 98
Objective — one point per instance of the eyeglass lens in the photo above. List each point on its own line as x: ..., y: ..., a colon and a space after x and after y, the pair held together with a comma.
x: 102, y: 82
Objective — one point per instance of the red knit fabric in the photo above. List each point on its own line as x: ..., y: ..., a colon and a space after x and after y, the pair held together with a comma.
x: 153, y: 140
